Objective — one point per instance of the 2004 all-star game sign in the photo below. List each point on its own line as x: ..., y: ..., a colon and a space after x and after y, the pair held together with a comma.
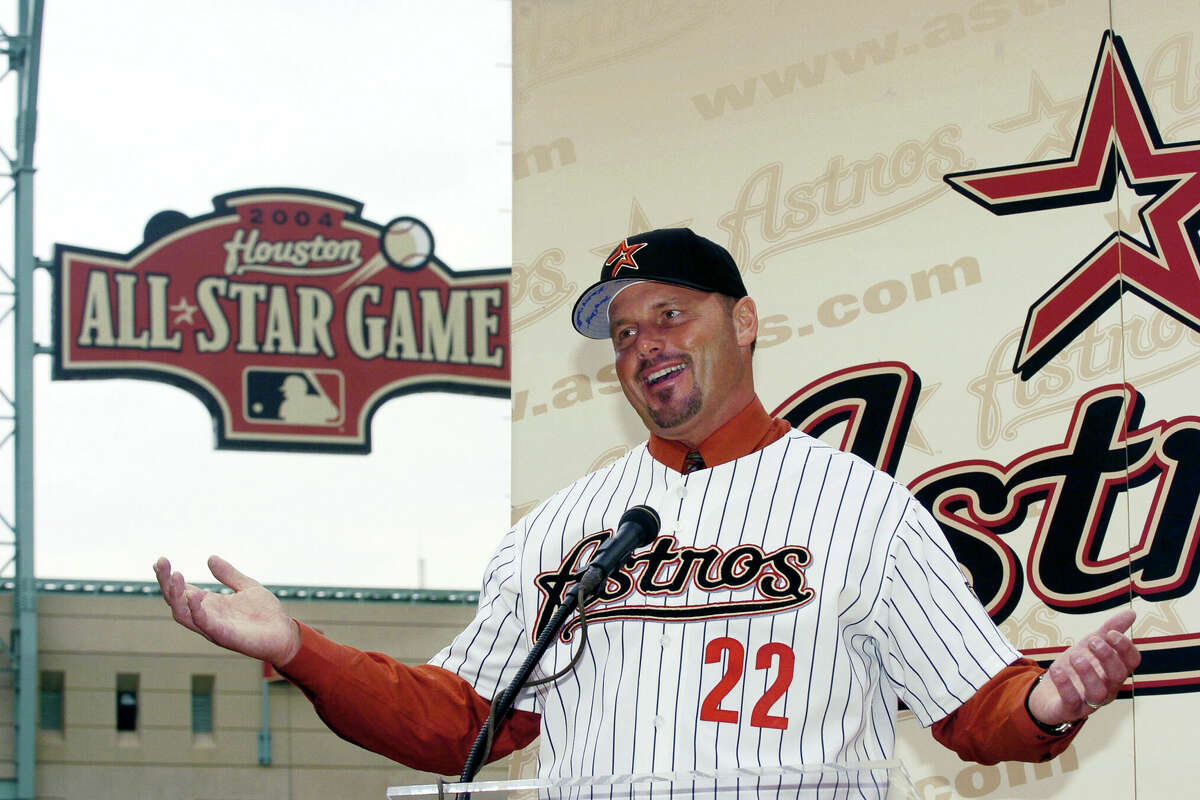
x: 291, y: 316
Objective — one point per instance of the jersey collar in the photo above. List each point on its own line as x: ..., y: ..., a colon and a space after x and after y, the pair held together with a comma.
x: 748, y: 431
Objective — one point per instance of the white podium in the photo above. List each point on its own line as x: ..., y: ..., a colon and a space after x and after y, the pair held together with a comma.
x: 868, y: 780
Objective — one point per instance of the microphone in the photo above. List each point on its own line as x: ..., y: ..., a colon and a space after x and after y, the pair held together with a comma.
x: 638, y: 526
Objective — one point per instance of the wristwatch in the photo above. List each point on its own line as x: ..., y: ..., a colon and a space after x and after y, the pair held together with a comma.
x: 1061, y: 729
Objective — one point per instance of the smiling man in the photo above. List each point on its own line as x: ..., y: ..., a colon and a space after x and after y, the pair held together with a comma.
x: 682, y: 348
x: 794, y: 597
x: 672, y: 360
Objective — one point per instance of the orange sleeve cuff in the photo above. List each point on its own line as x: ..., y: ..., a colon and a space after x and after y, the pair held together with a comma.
x: 424, y: 717
x: 994, y: 724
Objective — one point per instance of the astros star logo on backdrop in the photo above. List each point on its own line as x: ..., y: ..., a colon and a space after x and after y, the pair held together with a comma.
x: 1117, y: 136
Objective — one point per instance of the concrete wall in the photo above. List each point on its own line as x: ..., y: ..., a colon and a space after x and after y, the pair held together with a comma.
x: 93, y: 637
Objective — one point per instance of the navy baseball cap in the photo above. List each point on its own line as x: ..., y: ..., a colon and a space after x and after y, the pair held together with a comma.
x: 668, y: 255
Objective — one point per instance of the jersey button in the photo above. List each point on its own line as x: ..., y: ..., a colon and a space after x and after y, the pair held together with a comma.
x: 664, y: 640
x: 681, y: 490
x: 659, y: 721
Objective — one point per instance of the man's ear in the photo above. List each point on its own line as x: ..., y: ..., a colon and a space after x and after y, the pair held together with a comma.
x: 745, y: 321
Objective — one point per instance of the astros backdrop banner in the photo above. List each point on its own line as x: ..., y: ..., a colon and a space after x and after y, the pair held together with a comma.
x: 972, y: 231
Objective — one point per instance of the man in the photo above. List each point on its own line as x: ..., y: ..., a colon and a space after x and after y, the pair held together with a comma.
x: 793, y: 597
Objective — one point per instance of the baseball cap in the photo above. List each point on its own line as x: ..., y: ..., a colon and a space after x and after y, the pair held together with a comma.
x: 669, y: 255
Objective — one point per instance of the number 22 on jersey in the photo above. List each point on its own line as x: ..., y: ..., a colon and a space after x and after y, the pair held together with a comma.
x: 770, y: 656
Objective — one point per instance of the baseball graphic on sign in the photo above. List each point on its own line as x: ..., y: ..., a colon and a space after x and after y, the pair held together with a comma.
x: 407, y: 243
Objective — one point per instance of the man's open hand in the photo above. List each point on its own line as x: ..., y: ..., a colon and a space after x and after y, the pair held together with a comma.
x: 250, y: 621
x: 1088, y: 675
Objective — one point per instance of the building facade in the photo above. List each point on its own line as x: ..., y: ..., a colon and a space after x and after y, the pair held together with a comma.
x: 134, y: 706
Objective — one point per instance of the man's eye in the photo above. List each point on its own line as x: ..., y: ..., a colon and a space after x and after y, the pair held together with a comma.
x: 671, y: 313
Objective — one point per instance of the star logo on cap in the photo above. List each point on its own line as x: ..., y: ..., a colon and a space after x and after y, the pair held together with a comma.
x: 1117, y: 136
x: 623, y: 257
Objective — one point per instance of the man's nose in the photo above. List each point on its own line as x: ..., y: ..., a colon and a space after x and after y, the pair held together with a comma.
x: 649, y: 341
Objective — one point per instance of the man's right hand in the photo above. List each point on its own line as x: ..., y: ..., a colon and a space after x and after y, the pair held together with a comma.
x: 250, y: 621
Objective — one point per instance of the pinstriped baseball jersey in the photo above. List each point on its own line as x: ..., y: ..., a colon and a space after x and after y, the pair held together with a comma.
x: 792, y: 597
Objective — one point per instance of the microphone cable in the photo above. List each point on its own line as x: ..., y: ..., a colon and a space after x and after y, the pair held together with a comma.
x: 492, y: 722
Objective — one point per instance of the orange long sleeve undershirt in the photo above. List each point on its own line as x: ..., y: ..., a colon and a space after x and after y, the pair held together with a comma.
x: 427, y: 718
x: 424, y: 717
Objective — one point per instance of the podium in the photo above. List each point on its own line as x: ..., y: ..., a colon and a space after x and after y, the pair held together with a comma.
x: 866, y: 780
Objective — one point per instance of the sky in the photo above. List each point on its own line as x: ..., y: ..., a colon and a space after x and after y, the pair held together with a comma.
x: 146, y: 105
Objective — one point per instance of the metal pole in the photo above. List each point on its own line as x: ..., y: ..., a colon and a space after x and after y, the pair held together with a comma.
x: 24, y: 636
x: 264, y: 733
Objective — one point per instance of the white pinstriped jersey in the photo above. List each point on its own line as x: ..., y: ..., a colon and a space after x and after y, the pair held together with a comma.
x: 793, y: 596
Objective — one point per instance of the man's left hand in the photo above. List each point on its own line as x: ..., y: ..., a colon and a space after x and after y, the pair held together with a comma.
x: 1088, y: 675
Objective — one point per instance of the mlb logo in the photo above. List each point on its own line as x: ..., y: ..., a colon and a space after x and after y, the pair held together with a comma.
x: 313, y: 397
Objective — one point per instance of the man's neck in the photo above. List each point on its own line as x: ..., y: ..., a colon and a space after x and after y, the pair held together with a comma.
x: 745, y: 432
